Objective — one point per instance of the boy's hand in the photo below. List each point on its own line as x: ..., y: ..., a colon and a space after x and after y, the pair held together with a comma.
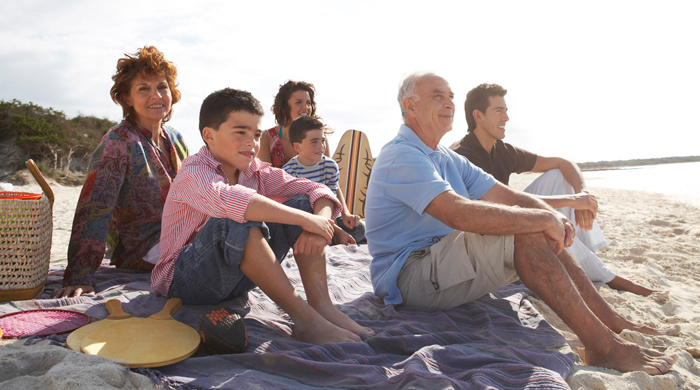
x: 351, y: 221
x: 321, y: 226
x: 341, y: 237
x: 309, y: 244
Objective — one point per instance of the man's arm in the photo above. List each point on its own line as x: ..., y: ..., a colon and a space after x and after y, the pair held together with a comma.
x: 493, y: 214
x: 584, y: 204
x: 571, y: 171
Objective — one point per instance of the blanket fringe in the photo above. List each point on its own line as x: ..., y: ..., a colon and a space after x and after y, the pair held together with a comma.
x: 163, y: 381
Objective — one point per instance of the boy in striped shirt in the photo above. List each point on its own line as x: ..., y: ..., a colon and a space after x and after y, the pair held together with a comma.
x: 230, y: 219
x: 307, y: 135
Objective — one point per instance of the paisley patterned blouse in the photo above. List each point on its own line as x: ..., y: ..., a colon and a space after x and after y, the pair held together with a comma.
x: 122, y: 201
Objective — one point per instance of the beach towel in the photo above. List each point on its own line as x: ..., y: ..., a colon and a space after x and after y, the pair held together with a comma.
x: 498, y: 341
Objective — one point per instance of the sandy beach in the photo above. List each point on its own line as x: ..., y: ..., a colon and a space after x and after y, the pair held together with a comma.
x: 653, y: 240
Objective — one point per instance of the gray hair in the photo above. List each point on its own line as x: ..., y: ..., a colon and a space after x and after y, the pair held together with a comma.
x: 407, y: 89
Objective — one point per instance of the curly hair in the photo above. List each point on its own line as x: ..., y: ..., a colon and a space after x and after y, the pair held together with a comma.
x: 146, y: 62
x: 281, y: 107
x: 478, y: 99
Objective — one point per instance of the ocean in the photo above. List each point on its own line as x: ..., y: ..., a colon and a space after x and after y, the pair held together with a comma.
x: 681, y: 181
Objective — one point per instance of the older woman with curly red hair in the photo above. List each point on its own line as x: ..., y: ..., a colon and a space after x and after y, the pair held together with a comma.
x: 294, y: 99
x: 129, y: 175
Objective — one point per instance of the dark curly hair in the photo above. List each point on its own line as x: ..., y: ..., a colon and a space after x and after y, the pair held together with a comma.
x: 478, y: 99
x: 281, y: 108
x: 146, y: 62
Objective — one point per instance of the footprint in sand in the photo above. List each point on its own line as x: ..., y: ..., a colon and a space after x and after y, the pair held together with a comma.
x: 637, y: 251
x: 660, y: 222
x: 669, y: 309
x: 679, y: 231
x: 659, y: 296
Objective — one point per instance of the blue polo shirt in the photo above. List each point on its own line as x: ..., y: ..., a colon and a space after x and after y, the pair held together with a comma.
x: 405, y: 178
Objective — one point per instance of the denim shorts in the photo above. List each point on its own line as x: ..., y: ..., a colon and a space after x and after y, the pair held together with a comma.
x: 208, y: 270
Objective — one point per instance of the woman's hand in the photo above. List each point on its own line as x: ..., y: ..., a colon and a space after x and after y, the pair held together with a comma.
x: 73, y: 291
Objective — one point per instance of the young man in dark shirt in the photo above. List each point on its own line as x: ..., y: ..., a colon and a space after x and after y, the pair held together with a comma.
x: 561, y: 186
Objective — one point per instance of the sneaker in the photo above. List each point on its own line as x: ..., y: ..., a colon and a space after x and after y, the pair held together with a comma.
x: 223, y: 332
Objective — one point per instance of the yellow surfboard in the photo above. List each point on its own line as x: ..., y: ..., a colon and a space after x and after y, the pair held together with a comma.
x: 355, y: 161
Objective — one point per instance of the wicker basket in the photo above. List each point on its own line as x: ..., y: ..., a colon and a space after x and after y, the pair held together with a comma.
x: 26, y: 227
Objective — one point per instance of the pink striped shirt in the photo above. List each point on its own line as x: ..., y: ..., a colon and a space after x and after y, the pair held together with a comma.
x: 201, y: 190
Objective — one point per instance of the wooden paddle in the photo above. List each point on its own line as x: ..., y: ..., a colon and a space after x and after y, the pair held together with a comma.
x: 114, y: 307
x: 155, y: 341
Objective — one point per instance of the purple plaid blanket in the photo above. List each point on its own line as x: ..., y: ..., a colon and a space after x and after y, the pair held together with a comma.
x: 497, y: 342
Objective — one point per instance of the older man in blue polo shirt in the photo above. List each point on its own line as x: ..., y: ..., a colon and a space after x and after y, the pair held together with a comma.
x: 442, y: 233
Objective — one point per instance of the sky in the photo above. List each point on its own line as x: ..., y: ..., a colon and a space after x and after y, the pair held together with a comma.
x: 587, y: 81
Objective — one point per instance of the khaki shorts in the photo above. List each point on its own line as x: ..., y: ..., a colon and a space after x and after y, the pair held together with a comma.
x: 460, y: 268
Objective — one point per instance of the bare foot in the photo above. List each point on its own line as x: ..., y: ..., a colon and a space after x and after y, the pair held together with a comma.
x: 659, y: 296
x: 626, y: 357
x: 318, y: 330
x: 667, y: 331
x: 620, y: 283
x: 335, y: 316
x: 620, y: 323
x: 673, y: 330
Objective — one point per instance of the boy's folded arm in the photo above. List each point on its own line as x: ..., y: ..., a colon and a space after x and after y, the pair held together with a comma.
x: 288, y: 185
x: 261, y: 208
x: 324, y: 207
x: 322, y: 192
x: 213, y: 197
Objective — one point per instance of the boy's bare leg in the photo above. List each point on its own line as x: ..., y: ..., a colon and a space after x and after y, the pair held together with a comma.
x: 312, y: 269
x: 261, y: 267
x: 543, y: 273
x: 620, y: 283
x: 612, y: 319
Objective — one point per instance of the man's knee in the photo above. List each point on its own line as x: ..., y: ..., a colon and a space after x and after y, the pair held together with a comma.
x: 531, y: 242
x: 553, y: 174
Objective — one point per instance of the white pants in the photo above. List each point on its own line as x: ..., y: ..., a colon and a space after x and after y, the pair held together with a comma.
x: 586, y: 243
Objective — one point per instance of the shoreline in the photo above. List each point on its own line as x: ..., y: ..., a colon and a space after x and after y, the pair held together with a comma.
x: 639, y: 162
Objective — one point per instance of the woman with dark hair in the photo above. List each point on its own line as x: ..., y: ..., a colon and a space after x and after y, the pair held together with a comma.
x: 294, y: 99
x: 129, y: 175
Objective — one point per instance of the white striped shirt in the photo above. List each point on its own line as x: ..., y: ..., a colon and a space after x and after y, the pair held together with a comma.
x: 201, y: 190
x: 325, y: 171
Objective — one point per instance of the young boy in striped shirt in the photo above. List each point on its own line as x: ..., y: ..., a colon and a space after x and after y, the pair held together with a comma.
x: 307, y: 135
x: 230, y: 219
